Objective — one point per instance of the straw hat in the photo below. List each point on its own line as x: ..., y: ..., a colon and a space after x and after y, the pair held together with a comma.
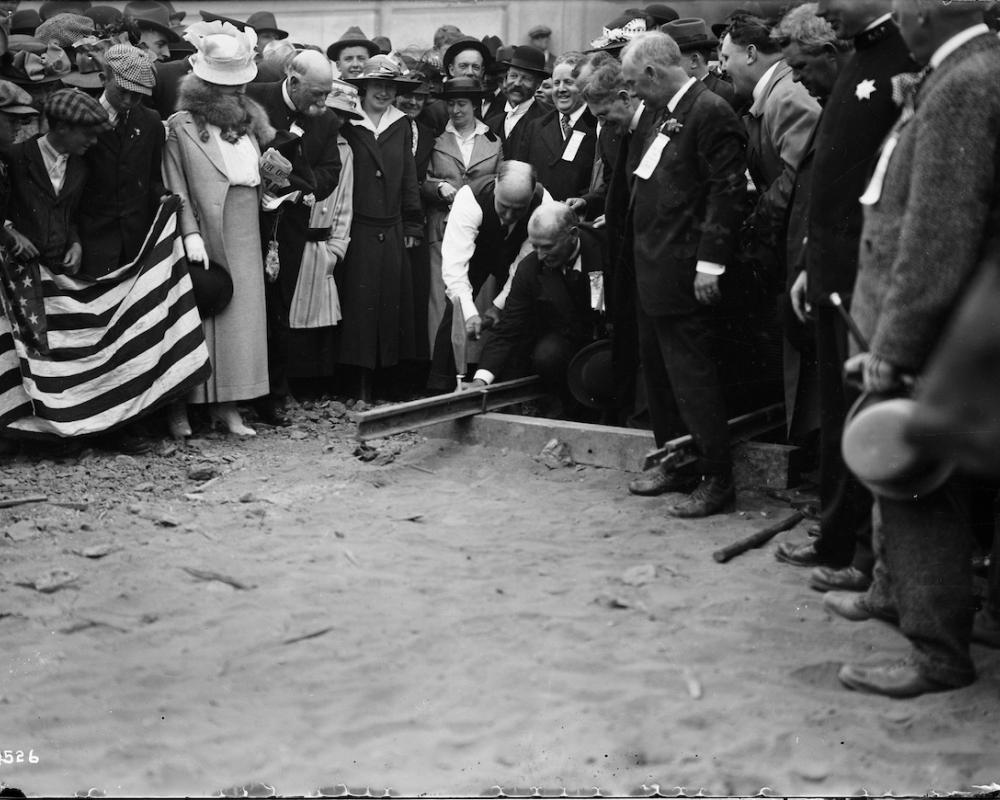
x: 225, y: 55
x: 384, y: 68
x: 345, y: 98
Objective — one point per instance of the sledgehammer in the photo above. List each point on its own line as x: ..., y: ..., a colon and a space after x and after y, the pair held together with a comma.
x: 757, y: 539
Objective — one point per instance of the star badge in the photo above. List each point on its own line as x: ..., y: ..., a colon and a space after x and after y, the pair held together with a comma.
x: 865, y: 89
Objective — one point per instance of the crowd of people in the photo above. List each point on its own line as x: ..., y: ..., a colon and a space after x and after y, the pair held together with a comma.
x: 680, y: 215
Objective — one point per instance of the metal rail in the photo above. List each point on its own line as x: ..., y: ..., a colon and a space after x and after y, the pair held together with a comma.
x: 401, y: 417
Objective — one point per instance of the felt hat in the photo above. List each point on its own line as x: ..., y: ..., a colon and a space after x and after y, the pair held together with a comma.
x: 75, y: 108
x: 14, y: 100
x: 213, y: 288
x: 50, y: 8
x: 208, y: 16
x: 225, y: 55
x: 877, y: 450
x: 691, y: 34
x: 151, y: 16
x: 505, y: 53
x: 752, y: 8
x: 176, y: 17
x: 528, y: 58
x: 463, y: 44
x: 88, y: 63
x: 65, y: 30
x: 539, y: 31
x: 493, y: 43
x: 591, y: 376
x: 383, y: 43
x: 461, y: 88
x: 384, y: 68
x: 661, y: 13
x: 104, y: 16
x: 345, y: 98
x: 32, y: 62
x: 25, y: 21
x: 353, y: 37
x: 264, y: 22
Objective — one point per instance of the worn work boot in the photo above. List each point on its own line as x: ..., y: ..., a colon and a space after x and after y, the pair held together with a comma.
x: 715, y: 494
x: 848, y: 579
x: 901, y: 679
x: 658, y: 480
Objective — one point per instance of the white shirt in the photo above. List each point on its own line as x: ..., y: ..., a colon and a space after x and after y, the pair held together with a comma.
x: 955, y: 42
x: 758, y: 90
x: 574, y: 117
x: 467, y: 143
x: 241, y: 159
x: 55, y: 163
x: 514, y: 114
x: 112, y: 111
x: 390, y: 115
x: 635, y: 117
x: 459, y: 245
x: 876, y: 22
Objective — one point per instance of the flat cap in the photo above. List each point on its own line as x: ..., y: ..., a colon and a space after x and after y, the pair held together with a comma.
x: 14, y: 100
x: 539, y: 30
x: 75, y: 108
x: 131, y: 68
x: 65, y: 29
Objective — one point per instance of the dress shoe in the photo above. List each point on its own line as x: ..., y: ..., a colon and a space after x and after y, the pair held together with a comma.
x: 901, y: 679
x: 986, y: 628
x: 805, y: 554
x: 225, y: 414
x: 271, y: 411
x: 177, y: 420
x: 830, y: 579
x: 126, y: 443
x: 713, y: 495
x: 855, y: 607
x: 660, y: 481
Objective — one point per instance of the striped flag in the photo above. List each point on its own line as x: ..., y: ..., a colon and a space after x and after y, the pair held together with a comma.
x: 79, y: 356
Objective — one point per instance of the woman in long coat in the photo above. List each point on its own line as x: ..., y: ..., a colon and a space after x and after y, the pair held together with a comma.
x: 211, y: 159
x: 374, y: 282
x: 466, y: 154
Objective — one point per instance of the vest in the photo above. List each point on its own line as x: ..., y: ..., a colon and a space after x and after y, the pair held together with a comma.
x: 495, y: 247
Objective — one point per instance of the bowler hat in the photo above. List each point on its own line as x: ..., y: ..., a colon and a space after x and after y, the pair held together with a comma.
x: 264, y: 22
x: 493, y: 43
x: 463, y: 44
x: 691, y: 34
x: 213, y: 288
x: 591, y: 376
x: 877, y: 450
x: 505, y: 53
x: 352, y: 37
x: 50, y: 8
x: 528, y: 58
x: 25, y: 21
x: 149, y: 15
x: 661, y: 13
x: 461, y: 88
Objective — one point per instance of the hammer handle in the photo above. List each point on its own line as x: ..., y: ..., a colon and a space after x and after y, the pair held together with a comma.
x: 757, y: 539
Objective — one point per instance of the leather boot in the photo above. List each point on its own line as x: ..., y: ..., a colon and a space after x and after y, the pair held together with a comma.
x: 715, y: 493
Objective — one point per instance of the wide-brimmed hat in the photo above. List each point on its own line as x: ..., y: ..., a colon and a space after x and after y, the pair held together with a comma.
x: 591, y: 376
x: 50, y: 8
x: 461, y: 88
x: 877, y: 450
x: 151, y: 16
x: 529, y: 58
x: 264, y: 22
x: 466, y: 43
x: 88, y: 63
x: 25, y: 21
x: 32, y: 62
x: 353, y: 37
x: 209, y: 16
x: 385, y: 68
x: 345, y: 98
x: 14, y: 100
x: 661, y: 14
x: 65, y: 30
x: 225, y: 55
x: 691, y: 34
x: 620, y: 31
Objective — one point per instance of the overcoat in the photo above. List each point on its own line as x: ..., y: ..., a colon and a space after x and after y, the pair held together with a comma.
x: 374, y: 282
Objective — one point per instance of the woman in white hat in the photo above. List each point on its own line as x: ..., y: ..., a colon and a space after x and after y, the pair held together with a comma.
x: 376, y: 287
x: 212, y: 160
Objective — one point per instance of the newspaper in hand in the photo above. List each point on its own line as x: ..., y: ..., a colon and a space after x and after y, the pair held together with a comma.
x: 274, y: 170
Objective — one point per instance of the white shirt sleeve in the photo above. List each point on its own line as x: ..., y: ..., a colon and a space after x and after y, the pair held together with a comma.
x: 526, y: 248
x: 484, y: 375
x: 457, y: 248
x: 710, y: 268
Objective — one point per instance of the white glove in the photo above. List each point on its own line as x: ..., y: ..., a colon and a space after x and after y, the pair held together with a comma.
x: 194, y: 245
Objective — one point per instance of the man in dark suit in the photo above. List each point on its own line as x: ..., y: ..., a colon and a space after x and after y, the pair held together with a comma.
x: 561, y: 145
x: 686, y: 205
x: 927, y: 217
x: 549, y: 315
x: 525, y: 72
x: 698, y: 44
x: 856, y: 118
x: 124, y: 184
x: 297, y: 105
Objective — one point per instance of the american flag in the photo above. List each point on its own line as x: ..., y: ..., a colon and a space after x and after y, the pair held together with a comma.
x: 79, y: 356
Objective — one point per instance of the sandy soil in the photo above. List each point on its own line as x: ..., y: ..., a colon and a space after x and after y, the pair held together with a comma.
x: 440, y: 620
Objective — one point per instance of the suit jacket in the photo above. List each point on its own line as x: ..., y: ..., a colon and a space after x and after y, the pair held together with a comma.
x: 167, y: 88
x: 35, y: 210
x: 924, y: 235
x: 779, y: 125
x: 512, y: 144
x: 689, y: 210
x: 425, y: 138
x: 542, y: 301
x: 543, y: 145
x: 123, y: 191
x: 724, y: 89
x: 434, y: 116
x: 496, y: 105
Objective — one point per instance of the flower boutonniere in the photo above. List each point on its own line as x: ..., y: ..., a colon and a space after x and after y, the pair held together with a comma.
x: 672, y: 126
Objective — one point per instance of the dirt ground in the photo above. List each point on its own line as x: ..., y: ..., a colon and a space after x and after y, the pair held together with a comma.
x: 441, y: 619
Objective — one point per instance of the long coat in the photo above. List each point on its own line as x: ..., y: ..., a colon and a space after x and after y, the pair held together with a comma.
x: 374, y: 282
x: 543, y: 146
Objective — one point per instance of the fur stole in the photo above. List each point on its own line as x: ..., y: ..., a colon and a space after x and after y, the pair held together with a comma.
x: 234, y: 114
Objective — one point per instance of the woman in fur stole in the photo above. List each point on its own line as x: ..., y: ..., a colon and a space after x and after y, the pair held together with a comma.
x: 211, y: 160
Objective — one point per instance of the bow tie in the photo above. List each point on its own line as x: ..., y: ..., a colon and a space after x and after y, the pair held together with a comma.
x: 906, y: 86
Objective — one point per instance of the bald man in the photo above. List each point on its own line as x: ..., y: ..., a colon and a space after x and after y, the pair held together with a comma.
x: 297, y: 106
x: 549, y: 315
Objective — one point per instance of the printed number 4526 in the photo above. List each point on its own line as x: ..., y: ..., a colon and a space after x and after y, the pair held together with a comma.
x: 18, y: 757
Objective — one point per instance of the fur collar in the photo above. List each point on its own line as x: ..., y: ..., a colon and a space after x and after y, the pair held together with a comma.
x: 234, y: 114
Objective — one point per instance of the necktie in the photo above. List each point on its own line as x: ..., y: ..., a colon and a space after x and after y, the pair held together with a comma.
x: 121, y: 126
x: 906, y: 86
x: 566, y: 127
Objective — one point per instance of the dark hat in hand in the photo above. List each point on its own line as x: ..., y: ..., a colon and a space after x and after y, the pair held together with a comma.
x: 213, y: 288
x: 591, y: 376
x: 528, y: 58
